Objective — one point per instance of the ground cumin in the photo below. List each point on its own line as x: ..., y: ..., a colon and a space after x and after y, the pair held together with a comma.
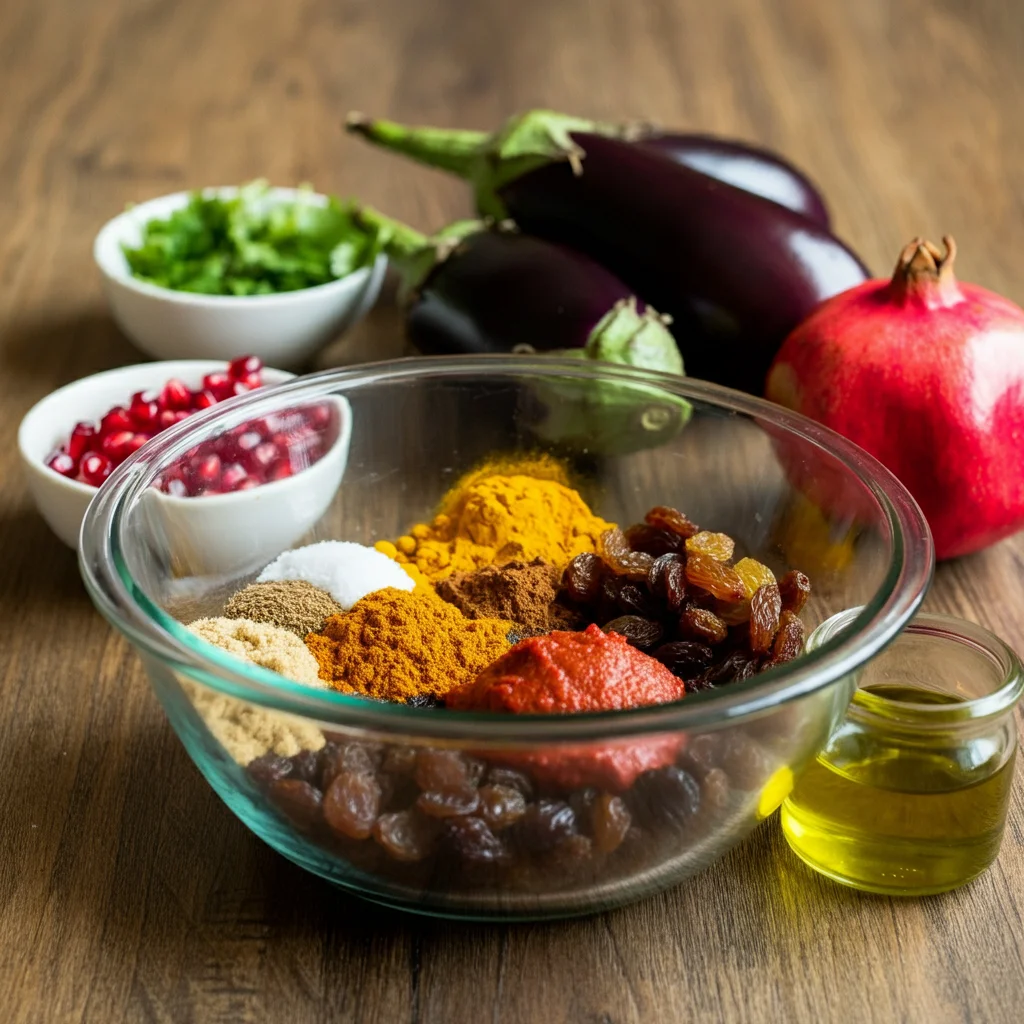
x: 493, y: 517
x: 525, y: 593
x: 294, y: 605
x: 396, y: 644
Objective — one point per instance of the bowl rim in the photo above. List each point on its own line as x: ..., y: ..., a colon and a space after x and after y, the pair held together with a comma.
x: 113, y: 231
x: 157, y: 635
x: 53, y: 399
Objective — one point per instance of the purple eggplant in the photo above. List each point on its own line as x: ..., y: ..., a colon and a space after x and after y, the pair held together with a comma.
x: 475, y: 288
x: 747, y: 167
x: 735, y: 271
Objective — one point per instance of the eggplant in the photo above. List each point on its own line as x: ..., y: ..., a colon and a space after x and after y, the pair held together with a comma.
x: 735, y: 271
x: 732, y: 161
x: 476, y: 288
x: 745, y: 166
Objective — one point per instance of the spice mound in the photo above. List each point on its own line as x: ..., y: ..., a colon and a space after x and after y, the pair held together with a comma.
x: 294, y: 605
x: 396, y: 645
x: 525, y: 593
x: 497, y: 519
x: 261, y: 644
x: 347, y: 571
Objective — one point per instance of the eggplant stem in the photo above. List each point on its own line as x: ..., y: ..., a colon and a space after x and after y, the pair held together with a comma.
x: 449, y: 149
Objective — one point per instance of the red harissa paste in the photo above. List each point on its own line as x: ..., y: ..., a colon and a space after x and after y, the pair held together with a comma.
x: 569, y: 672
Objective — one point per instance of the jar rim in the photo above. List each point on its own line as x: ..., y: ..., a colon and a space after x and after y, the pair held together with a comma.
x: 941, y: 629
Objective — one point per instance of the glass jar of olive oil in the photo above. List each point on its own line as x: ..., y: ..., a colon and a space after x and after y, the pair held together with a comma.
x: 911, y: 793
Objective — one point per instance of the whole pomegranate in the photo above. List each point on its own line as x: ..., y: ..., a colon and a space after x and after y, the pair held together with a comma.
x: 927, y: 374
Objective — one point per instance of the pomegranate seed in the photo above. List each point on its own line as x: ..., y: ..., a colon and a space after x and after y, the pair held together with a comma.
x: 208, y: 470
x: 96, y: 467
x: 167, y: 418
x: 244, y: 366
x: 203, y: 399
x: 248, y: 484
x: 238, y: 387
x: 61, y: 462
x: 83, y: 437
x: 219, y: 384
x: 281, y: 471
x: 232, y: 477
x: 175, y: 395
x: 182, y: 414
x: 320, y: 416
x: 116, y: 421
x: 137, y: 441
x: 118, y: 446
x: 144, y: 410
x: 252, y: 381
x: 177, y: 488
x: 263, y: 456
x: 248, y: 441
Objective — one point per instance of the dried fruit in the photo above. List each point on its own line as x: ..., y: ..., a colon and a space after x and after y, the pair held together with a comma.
x: 581, y: 580
x: 671, y: 519
x: 546, y: 823
x: 702, y: 624
x: 441, y: 770
x: 718, y: 546
x: 684, y: 658
x: 406, y: 835
x: 299, y: 801
x: 719, y: 580
x: 511, y: 777
x: 473, y: 840
x: 667, y: 580
x: 449, y: 803
x: 352, y: 803
x: 765, y: 609
x: 501, y: 806
x: 754, y: 575
x: 269, y: 767
x: 636, y: 600
x: 609, y: 822
x: 794, y: 588
x: 638, y: 631
x: 652, y: 540
x: 789, y: 641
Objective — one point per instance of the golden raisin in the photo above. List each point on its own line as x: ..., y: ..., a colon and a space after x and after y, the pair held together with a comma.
x: 718, y: 546
x: 719, y: 580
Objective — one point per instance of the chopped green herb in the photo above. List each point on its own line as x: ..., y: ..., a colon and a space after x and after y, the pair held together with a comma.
x: 251, y: 244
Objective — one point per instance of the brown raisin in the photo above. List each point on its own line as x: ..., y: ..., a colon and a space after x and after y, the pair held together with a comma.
x: 501, y: 806
x: 441, y: 770
x: 636, y: 601
x: 406, y: 835
x: 269, y: 768
x: 352, y: 803
x: 448, y: 803
x: 400, y: 760
x: 638, y: 631
x: 620, y: 559
x: 609, y: 822
x: 718, y: 579
x: 581, y: 580
x: 511, y: 777
x: 794, y: 587
x: 472, y: 839
x: 546, y: 823
x: 299, y: 801
x: 684, y: 658
x: 718, y: 546
x: 653, y: 541
x: 348, y: 756
x: 765, y: 609
x: 702, y: 624
x: 789, y: 641
x: 671, y: 519
x: 667, y: 580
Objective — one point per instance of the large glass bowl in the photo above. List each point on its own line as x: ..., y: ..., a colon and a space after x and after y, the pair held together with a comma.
x: 791, y: 493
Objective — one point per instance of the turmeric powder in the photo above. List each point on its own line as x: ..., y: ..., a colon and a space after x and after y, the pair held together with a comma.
x: 492, y: 517
x: 396, y: 644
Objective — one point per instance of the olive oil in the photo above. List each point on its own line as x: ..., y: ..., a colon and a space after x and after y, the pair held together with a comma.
x: 895, y: 814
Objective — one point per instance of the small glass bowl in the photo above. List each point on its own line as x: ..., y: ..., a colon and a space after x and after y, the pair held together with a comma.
x: 910, y: 795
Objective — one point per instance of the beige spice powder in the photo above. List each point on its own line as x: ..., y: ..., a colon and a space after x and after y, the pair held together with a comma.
x: 294, y: 605
x: 245, y: 730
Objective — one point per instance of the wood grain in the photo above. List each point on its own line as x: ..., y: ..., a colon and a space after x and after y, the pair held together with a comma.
x: 127, y: 890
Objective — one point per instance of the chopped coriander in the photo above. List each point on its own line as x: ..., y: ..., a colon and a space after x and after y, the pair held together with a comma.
x: 251, y: 244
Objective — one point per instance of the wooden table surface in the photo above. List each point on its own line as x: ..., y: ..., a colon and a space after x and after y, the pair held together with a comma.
x: 127, y: 890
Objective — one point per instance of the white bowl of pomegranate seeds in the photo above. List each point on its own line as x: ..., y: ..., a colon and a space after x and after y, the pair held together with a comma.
x: 283, y: 329
x: 71, y: 440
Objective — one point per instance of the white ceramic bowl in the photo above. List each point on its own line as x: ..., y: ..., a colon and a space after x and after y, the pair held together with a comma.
x: 274, y: 515
x: 283, y: 330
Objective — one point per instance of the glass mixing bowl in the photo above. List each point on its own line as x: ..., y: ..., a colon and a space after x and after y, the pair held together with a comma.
x: 792, y: 494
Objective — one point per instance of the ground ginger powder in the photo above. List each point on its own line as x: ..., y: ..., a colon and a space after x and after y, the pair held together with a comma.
x: 493, y: 518
x: 398, y: 644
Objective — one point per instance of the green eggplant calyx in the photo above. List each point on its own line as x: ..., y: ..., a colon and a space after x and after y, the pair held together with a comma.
x: 413, y: 254
x: 625, y: 335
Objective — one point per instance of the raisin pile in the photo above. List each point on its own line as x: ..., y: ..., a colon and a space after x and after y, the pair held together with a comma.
x: 672, y: 590
x: 446, y: 820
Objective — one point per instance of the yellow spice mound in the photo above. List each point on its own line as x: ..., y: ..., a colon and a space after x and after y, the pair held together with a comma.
x: 502, y: 518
